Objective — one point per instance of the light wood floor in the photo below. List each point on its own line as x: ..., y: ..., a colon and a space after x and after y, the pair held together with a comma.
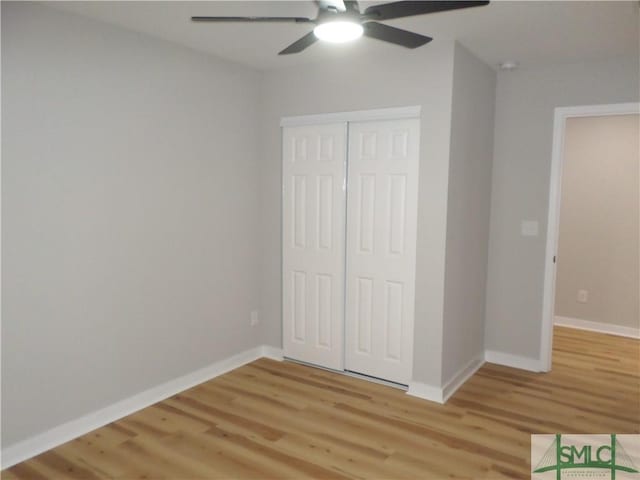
x: 271, y: 420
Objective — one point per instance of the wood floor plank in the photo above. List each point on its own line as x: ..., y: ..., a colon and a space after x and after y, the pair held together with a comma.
x: 216, y: 456
x: 282, y: 420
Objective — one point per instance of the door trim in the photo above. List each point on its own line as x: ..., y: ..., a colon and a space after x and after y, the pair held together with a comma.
x: 394, y: 113
x: 561, y: 114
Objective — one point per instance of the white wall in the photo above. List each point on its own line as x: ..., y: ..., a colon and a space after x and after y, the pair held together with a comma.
x: 598, y: 248
x: 525, y: 101
x: 393, y: 77
x: 474, y: 86
x: 130, y: 214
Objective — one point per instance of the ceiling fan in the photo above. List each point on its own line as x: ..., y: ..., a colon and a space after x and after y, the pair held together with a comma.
x: 341, y: 21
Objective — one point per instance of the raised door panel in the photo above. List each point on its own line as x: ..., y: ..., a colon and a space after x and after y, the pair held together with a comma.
x: 314, y: 172
x: 381, y: 248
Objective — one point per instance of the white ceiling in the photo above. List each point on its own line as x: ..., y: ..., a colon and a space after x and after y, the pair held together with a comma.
x: 533, y: 33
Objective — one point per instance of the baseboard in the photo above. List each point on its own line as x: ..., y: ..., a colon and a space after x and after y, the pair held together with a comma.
x: 608, y: 328
x: 426, y: 392
x: 515, y: 361
x: 272, y: 352
x: 461, y: 377
x: 442, y: 394
x: 68, y: 431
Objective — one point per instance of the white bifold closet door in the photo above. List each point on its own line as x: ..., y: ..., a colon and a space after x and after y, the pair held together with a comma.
x: 382, y: 202
x: 314, y: 169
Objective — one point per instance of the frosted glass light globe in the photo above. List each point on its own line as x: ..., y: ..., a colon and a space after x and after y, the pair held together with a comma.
x: 338, y: 31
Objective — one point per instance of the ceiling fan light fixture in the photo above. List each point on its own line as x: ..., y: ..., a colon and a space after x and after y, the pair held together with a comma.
x: 340, y: 21
x: 339, y: 31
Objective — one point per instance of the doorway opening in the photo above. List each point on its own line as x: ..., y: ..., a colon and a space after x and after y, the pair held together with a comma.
x: 593, y: 254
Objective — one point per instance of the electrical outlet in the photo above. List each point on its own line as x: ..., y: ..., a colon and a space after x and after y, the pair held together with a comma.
x: 583, y: 296
x: 254, y: 318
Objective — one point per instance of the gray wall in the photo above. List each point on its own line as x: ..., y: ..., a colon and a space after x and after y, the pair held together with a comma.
x: 130, y: 215
x: 391, y: 78
x: 525, y: 102
x: 599, y: 248
x: 474, y: 86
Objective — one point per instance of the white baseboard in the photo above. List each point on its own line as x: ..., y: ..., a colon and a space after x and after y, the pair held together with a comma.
x: 272, y: 352
x: 442, y: 394
x: 68, y: 431
x: 426, y: 392
x: 515, y: 361
x: 464, y: 374
x: 597, y: 327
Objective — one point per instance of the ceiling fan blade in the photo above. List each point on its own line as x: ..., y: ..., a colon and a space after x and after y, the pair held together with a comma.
x: 299, y: 45
x: 394, y: 35
x: 337, y: 5
x: 252, y: 19
x: 388, y: 11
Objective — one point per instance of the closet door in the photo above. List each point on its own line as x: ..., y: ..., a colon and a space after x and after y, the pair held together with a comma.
x: 381, y: 248
x: 314, y: 168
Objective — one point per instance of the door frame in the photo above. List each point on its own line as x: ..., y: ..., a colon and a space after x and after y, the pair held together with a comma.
x: 561, y: 114
x: 394, y: 113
